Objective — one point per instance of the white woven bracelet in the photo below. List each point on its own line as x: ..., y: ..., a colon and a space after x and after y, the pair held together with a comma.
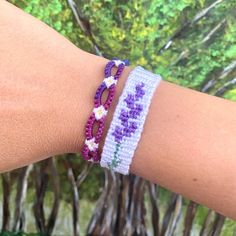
x: 128, y: 120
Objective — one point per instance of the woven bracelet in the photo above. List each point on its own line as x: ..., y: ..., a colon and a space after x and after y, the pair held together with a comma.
x: 90, y: 147
x: 127, y: 124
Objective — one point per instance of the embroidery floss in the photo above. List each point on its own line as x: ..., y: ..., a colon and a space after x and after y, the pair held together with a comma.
x: 128, y: 126
x: 91, y: 144
x: 128, y: 120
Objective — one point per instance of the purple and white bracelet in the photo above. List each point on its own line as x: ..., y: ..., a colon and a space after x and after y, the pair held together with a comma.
x: 127, y: 124
x: 90, y: 147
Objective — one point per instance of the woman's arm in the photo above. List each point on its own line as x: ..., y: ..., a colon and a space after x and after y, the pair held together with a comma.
x: 46, y: 90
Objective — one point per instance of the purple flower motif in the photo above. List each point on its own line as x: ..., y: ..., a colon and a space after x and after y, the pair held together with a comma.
x: 133, y: 126
x: 118, y: 134
x: 135, y: 112
x: 134, y: 109
x: 139, y: 92
x: 124, y: 116
x: 128, y: 131
x: 139, y: 107
x: 130, y: 101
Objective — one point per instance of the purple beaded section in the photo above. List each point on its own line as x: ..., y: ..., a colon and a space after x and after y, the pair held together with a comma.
x: 97, y: 118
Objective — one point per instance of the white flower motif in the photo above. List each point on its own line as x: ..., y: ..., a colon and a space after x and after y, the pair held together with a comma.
x: 109, y: 81
x: 99, y: 112
x: 92, y: 146
x: 118, y: 62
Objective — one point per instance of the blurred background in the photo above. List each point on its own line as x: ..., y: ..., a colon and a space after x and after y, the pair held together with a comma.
x: 189, y: 42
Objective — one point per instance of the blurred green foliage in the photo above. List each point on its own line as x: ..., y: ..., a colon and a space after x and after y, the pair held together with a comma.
x: 201, y: 50
x: 57, y: 15
x: 138, y: 29
x: 19, y: 234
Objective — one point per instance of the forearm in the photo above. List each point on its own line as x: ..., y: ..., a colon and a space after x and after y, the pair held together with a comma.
x: 189, y: 146
x: 188, y: 143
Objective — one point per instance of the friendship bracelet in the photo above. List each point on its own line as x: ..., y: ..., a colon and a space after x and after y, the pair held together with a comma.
x: 127, y: 124
x: 90, y: 147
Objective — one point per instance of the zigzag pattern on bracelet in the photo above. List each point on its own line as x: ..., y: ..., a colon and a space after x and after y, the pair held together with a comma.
x: 128, y: 120
x: 91, y: 144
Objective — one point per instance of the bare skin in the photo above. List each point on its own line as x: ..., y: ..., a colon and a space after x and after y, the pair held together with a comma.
x: 46, y: 90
